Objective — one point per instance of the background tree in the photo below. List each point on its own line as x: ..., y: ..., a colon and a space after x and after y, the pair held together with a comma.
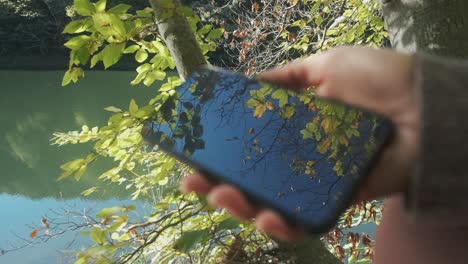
x: 171, y: 35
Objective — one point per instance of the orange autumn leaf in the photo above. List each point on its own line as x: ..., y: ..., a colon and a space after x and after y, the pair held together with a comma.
x: 33, y: 233
x: 132, y: 232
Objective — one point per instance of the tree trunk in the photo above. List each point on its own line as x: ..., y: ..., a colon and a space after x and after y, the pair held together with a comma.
x: 309, y: 251
x: 187, y: 55
x: 433, y: 26
x: 179, y: 38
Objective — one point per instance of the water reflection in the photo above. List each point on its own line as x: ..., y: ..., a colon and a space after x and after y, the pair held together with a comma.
x: 33, y: 105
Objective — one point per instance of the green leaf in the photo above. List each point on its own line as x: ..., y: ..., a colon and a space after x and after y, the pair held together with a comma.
x: 79, y: 173
x: 133, y: 107
x: 95, y: 59
x: 101, y: 6
x: 184, y: 11
x: 363, y: 261
x: 98, y: 235
x: 338, y: 168
x: 72, y: 75
x: 83, y: 55
x: 109, y: 25
x: 163, y: 181
x: 102, y: 260
x: 145, y: 111
x: 251, y: 103
x: 144, y: 68
x: 72, y: 165
x: 153, y: 76
x: 82, y: 260
x: 211, y: 46
x: 228, y: 224
x: 119, y: 9
x: 141, y: 55
x: 67, y: 78
x: 318, y: 19
x: 265, y: 90
x: 89, y: 191
x: 189, y: 240
x: 287, y: 112
x: 122, y: 238
x: 84, y: 7
x: 159, y: 46
x: 113, y: 109
x: 171, y: 83
x: 165, y: 3
x: 205, y: 29
x: 111, y: 211
x: 78, y: 26
x: 171, y: 63
x: 215, y: 34
x: 282, y: 96
x: 112, y: 53
x: 77, y: 42
x: 145, y: 12
x: 131, y: 49
x: 139, y: 78
x: 118, y: 224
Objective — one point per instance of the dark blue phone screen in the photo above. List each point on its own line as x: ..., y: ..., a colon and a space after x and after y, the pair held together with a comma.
x: 293, y: 152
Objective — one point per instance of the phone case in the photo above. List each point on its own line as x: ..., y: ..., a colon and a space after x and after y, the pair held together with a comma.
x: 301, y: 156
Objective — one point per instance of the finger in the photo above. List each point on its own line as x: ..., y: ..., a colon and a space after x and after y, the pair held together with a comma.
x: 297, y: 75
x: 196, y: 183
x: 391, y: 172
x: 230, y: 198
x: 272, y: 223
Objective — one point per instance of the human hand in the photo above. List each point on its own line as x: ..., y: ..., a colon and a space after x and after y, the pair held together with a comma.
x: 381, y: 81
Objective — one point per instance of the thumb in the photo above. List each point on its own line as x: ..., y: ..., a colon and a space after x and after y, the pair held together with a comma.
x: 299, y: 75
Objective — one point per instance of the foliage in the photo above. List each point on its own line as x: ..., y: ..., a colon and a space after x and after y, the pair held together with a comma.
x: 268, y: 34
x: 182, y: 228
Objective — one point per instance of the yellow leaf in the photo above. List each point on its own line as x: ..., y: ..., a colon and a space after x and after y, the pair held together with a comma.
x: 325, y: 124
x: 259, y: 110
x: 343, y: 140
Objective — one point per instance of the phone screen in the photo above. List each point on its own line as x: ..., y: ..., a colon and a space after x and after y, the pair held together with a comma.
x: 289, y: 151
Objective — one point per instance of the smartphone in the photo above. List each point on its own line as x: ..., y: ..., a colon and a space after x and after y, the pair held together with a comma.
x: 302, y: 156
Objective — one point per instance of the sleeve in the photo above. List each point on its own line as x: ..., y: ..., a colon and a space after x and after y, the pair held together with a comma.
x: 439, y: 187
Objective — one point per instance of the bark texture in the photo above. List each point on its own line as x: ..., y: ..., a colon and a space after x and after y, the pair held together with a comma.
x: 179, y: 38
x: 432, y: 26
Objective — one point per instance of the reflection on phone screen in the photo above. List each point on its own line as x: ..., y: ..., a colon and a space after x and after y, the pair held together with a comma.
x: 290, y: 151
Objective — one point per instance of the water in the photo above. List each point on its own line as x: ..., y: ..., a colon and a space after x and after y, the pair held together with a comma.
x: 33, y: 105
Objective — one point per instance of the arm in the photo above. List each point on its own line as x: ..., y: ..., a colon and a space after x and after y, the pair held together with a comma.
x: 416, y: 93
x: 439, y: 186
